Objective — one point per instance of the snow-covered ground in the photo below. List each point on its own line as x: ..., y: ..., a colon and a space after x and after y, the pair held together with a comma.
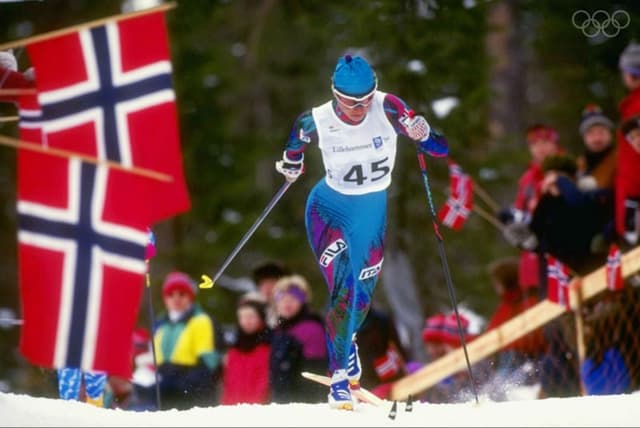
x: 614, y: 410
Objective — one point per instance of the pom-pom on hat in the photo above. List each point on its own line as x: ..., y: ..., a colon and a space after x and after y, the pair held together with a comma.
x: 629, y: 60
x: 179, y: 281
x: 592, y: 115
x: 353, y: 76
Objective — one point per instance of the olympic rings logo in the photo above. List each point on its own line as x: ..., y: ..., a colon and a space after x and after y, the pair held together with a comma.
x: 600, y: 22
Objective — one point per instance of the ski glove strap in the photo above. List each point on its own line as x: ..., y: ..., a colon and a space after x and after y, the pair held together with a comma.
x: 291, y: 169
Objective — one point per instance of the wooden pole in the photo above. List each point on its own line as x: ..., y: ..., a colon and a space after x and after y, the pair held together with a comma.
x: 13, y: 92
x: 490, y: 218
x: 580, y: 342
x: 19, y: 144
x: 85, y: 25
x: 9, y: 118
x: 478, y: 190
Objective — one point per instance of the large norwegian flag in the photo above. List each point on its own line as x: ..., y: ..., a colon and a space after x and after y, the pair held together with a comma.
x: 456, y: 210
x: 83, y: 228
x: 558, y: 282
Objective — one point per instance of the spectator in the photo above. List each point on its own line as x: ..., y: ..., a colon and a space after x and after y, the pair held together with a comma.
x: 513, y: 301
x: 298, y: 344
x: 630, y: 130
x: 185, y: 350
x: 441, y: 336
x: 85, y: 385
x: 11, y: 78
x: 627, y: 183
x: 568, y: 222
x: 604, y: 370
x: 246, y: 364
x: 597, y: 164
x: 542, y: 141
x: 265, y: 277
x: 143, y: 380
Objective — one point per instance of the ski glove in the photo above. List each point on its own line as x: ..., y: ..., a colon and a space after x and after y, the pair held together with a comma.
x: 291, y: 169
x: 436, y: 145
x: 417, y: 127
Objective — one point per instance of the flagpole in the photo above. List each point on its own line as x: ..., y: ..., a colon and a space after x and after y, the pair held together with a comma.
x: 485, y: 196
x: 13, y: 92
x: 9, y: 119
x: 490, y: 218
x: 19, y: 144
x: 85, y: 25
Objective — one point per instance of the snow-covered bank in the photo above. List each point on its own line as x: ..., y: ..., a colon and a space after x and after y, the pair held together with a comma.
x: 617, y: 410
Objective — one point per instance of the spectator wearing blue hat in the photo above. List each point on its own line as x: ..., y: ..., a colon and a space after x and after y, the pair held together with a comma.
x: 345, y: 214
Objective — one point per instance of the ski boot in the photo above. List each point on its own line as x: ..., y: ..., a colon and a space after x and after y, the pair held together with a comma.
x: 339, y: 393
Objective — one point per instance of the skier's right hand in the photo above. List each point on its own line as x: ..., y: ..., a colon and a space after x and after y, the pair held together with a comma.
x: 291, y: 169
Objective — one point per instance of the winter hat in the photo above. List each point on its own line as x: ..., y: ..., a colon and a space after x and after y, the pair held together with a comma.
x: 629, y: 125
x: 294, y: 285
x: 353, y: 76
x: 444, y: 329
x: 592, y: 115
x: 179, y: 281
x: 540, y: 131
x: 630, y: 59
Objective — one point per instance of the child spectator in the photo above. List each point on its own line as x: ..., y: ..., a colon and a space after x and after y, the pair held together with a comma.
x: 246, y: 364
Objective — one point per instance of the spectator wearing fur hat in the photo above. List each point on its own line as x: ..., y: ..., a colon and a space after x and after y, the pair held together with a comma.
x: 246, y: 364
x: 184, y: 344
x: 298, y: 344
x: 627, y: 182
x: 597, y: 164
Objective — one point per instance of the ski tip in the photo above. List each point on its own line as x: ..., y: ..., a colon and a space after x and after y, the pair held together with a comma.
x: 206, y: 282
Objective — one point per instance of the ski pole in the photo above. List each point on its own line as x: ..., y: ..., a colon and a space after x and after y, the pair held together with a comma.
x: 208, y: 282
x: 150, y: 253
x: 445, y: 265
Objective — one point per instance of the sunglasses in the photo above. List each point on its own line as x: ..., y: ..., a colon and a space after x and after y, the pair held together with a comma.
x: 353, y: 102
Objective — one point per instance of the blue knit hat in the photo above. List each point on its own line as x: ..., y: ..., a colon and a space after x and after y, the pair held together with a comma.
x: 353, y: 76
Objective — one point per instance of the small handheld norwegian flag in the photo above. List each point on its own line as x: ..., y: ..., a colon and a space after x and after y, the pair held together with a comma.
x: 614, y: 269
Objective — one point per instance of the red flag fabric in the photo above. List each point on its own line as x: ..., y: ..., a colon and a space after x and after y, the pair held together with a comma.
x: 614, y: 269
x: 82, y: 228
x: 456, y: 210
x: 454, y: 213
x: 557, y: 282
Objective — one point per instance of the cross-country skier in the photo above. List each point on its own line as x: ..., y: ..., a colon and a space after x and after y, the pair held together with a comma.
x: 345, y: 214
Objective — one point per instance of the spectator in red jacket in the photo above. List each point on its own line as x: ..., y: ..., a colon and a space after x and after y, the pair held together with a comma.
x: 542, y: 141
x: 504, y: 277
x: 246, y: 365
x: 627, y: 184
x: 11, y: 78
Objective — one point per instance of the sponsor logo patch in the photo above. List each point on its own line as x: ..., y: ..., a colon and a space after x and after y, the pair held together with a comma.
x: 330, y: 253
x: 370, y: 271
